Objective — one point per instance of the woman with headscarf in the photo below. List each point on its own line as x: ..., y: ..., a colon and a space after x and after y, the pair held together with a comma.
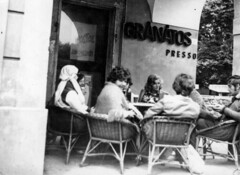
x: 68, y: 93
x: 69, y: 96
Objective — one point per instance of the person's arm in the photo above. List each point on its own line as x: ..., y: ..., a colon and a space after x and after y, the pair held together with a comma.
x: 138, y: 113
x: 206, y: 114
x: 196, y: 96
x: 154, y: 110
x: 228, y: 112
x: 231, y: 113
x: 74, y: 102
x: 119, y: 114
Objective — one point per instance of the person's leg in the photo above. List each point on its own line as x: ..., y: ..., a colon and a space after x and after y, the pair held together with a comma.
x: 80, y: 125
x: 201, y: 124
x: 205, y: 123
x: 193, y: 141
x: 193, y: 138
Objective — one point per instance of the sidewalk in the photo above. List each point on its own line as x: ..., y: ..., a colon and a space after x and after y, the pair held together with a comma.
x: 55, y: 165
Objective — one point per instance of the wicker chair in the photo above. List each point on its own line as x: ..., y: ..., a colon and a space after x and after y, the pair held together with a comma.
x: 117, y: 132
x: 62, y: 122
x: 164, y: 132
x: 226, y: 133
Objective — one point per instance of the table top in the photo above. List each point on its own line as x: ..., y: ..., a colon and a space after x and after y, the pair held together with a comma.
x: 139, y: 104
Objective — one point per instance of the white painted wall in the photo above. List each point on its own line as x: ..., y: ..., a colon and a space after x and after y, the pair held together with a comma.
x: 145, y: 57
x: 23, y: 87
x: 180, y: 13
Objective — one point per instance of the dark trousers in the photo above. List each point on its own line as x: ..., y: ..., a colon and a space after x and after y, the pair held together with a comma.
x: 206, y: 123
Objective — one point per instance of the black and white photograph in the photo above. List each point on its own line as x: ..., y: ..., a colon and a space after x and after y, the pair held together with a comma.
x: 119, y: 87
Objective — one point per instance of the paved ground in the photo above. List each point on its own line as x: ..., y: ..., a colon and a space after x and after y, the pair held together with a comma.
x: 55, y: 158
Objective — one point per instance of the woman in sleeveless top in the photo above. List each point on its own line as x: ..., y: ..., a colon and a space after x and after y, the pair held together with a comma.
x: 152, y: 91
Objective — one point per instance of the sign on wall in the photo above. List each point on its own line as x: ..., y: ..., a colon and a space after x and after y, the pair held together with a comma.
x: 83, y: 48
x: 161, y: 35
x: 158, y: 34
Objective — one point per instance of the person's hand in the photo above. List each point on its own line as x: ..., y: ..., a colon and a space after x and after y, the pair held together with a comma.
x: 214, y: 114
x: 209, y: 108
x: 144, y: 98
x: 218, y: 108
x: 151, y: 100
x: 92, y: 109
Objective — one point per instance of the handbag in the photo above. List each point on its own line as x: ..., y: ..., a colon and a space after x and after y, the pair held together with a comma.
x: 196, y: 163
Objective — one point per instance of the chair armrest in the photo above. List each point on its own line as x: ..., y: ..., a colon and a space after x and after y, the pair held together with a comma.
x: 230, y: 122
x: 97, y: 116
x: 105, y: 117
x: 171, y: 117
x: 168, y: 117
x: 73, y: 111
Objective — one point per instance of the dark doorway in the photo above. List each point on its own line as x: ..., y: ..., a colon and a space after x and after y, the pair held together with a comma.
x: 83, y: 42
x: 87, y: 34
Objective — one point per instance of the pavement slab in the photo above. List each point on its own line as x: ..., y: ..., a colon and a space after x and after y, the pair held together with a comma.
x: 105, y: 165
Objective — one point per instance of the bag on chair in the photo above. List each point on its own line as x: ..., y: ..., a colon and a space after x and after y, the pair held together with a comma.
x: 196, y: 163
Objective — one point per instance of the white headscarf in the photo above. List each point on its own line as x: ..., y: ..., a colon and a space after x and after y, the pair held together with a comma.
x: 67, y: 73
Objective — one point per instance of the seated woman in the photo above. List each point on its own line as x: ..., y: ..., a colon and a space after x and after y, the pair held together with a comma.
x: 196, y: 97
x: 176, y: 106
x: 112, y: 100
x: 180, y: 105
x: 152, y: 91
x: 69, y: 95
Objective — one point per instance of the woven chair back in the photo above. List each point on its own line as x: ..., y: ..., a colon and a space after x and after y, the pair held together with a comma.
x: 168, y: 131
x: 172, y: 132
x: 100, y: 128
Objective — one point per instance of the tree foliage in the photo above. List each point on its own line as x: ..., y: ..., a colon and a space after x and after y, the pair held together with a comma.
x: 215, y: 46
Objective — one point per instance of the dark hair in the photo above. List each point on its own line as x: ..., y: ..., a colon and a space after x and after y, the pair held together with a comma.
x: 150, y: 81
x: 119, y: 73
x: 234, y: 80
x: 183, y: 84
x: 129, y: 79
x: 80, y: 76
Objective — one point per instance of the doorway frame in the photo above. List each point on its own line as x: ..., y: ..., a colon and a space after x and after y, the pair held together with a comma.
x: 117, y: 14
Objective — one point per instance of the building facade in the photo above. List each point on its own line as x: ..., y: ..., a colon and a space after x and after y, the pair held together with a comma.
x: 38, y: 37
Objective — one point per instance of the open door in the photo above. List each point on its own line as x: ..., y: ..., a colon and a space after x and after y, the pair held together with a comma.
x: 83, y: 42
x: 84, y: 35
